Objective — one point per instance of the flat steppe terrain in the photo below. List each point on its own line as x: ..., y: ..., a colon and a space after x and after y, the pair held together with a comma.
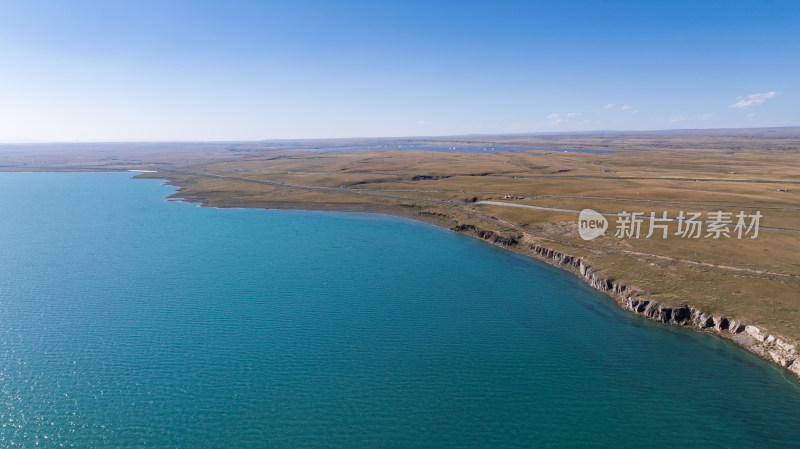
x: 755, y: 280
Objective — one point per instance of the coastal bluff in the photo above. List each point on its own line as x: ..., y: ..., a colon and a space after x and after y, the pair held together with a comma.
x: 773, y: 348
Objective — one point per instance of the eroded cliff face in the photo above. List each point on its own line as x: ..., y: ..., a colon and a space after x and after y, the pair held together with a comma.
x: 770, y: 347
x: 490, y: 236
x: 773, y: 348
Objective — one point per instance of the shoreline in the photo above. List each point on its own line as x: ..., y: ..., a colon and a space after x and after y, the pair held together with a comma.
x: 759, y: 341
x: 775, y: 349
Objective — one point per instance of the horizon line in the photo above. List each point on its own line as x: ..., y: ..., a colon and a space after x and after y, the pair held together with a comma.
x: 531, y: 133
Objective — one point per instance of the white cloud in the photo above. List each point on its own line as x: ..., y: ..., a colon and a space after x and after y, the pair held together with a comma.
x: 553, y: 116
x: 608, y: 106
x: 745, y: 101
x: 627, y: 107
x: 678, y: 118
x: 423, y: 122
x: 704, y: 116
x: 751, y: 115
x: 574, y: 114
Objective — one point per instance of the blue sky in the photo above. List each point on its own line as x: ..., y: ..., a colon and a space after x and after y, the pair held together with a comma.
x: 168, y: 70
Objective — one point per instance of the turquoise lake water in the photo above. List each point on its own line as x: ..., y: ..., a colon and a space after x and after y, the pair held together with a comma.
x: 127, y: 320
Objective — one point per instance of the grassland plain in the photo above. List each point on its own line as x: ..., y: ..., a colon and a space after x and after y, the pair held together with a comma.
x: 744, y: 289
